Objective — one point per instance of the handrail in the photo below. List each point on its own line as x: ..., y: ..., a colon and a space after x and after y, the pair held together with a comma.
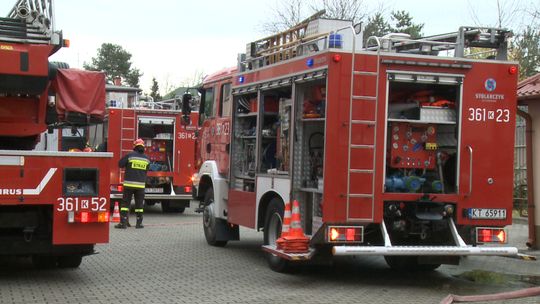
x: 470, y: 149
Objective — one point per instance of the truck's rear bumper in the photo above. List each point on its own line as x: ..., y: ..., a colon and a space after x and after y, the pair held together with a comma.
x: 424, y: 250
x: 159, y: 196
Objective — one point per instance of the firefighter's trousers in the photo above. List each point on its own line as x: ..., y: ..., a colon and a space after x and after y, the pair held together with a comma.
x: 126, y: 201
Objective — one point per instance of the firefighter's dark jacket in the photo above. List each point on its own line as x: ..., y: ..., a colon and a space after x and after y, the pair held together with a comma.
x: 136, y: 165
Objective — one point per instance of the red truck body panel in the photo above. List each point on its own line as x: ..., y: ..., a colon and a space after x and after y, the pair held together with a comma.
x: 40, y: 180
x: 120, y: 142
x: 491, y: 137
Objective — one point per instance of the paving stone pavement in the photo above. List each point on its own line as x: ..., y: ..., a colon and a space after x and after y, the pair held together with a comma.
x: 170, y: 262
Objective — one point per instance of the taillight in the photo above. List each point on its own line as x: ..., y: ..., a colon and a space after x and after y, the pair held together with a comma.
x: 88, y: 217
x: 118, y: 188
x: 195, y: 178
x: 337, y: 234
x: 491, y: 235
x: 187, y: 189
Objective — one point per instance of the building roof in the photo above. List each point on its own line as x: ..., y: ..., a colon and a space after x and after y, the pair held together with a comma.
x: 529, y: 88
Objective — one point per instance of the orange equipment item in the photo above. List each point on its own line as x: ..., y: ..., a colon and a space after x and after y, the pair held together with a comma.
x: 116, y: 214
x: 294, y: 241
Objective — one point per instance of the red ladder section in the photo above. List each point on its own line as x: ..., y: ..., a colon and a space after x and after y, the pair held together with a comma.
x: 362, y: 134
x: 127, y: 132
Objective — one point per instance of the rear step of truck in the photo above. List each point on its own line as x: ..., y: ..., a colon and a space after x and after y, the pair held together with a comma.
x: 460, y: 249
x: 289, y: 256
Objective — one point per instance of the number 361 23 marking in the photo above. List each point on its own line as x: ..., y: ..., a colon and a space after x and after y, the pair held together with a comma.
x: 76, y: 204
x: 481, y: 114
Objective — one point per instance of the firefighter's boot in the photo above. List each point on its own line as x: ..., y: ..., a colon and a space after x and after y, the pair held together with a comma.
x: 139, y: 221
x: 123, y: 220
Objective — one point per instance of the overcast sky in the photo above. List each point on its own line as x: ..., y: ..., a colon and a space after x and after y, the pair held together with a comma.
x: 172, y: 40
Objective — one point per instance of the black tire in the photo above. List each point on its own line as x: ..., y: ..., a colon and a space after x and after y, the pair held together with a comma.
x: 149, y: 202
x: 69, y: 261
x: 44, y: 261
x: 408, y: 263
x: 60, y: 64
x: 273, y: 221
x: 165, y: 207
x: 209, y: 220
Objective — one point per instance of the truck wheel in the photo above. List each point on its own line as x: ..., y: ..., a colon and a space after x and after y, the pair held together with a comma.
x: 69, y: 261
x: 408, y: 263
x: 209, y: 220
x: 272, y: 230
x: 149, y: 202
x: 44, y: 261
x: 165, y: 207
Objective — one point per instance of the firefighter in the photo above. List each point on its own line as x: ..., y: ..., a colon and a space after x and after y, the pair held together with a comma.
x: 136, y: 166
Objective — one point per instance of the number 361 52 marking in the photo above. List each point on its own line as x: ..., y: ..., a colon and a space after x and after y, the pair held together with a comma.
x: 76, y: 204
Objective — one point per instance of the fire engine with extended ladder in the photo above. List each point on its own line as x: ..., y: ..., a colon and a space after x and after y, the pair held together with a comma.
x: 54, y: 206
x: 170, y: 145
x: 394, y: 146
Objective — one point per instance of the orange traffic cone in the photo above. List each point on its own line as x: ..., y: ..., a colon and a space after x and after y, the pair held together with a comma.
x: 116, y: 213
x: 286, y: 226
x: 296, y: 225
x: 295, y: 241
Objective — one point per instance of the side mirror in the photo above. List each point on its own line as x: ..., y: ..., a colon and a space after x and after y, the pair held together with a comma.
x: 186, y: 108
x: 358, y: 28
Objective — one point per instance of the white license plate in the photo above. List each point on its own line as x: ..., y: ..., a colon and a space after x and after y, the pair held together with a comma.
x: 153, y: 190
x: 484, y: 213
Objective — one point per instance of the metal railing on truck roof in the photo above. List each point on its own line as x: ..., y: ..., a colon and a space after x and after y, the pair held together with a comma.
x: 299, y: 41
x: 495, y: 40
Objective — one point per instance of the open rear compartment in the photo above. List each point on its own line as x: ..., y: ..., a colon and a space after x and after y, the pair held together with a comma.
x: 308, y: 152
x: 158, y: 135
x: 422, y: 134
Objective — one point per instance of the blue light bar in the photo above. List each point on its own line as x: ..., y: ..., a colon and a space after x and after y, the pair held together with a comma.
x: 241, y: 79
x: 310, y: 62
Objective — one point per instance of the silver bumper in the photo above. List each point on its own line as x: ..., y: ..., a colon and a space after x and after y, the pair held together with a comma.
x: 424, y: 250
x: 460, y: 249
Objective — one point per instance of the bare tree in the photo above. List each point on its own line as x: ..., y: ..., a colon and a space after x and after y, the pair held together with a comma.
x: 508, y: 13
x: 287, y: 13
x: 354, y: 10
x: 194, y: 80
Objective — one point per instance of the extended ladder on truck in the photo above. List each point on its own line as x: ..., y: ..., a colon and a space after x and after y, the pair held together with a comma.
x: 30, y: 22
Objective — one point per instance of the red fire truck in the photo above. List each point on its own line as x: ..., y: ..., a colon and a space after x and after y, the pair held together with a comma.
x: 170, y: 145
x: 53, y: 205
x: 394, y: 147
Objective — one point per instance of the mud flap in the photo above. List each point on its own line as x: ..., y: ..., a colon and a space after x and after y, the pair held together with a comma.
x: 226, y: 231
